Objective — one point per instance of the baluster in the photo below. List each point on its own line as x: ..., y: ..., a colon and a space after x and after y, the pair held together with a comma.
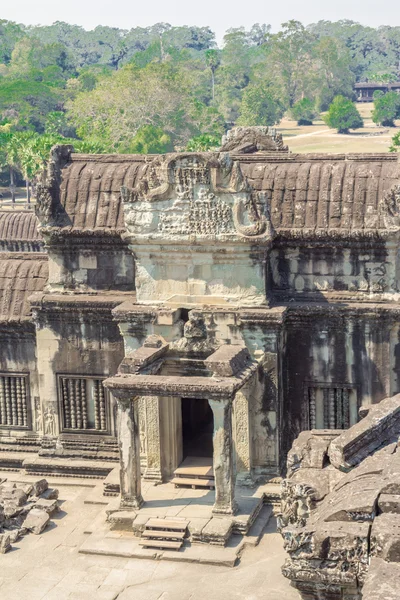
x: 72, y: 402
x: 102, y: 405
x: 97, y: 423
x: 24, y: 401
x: 326, y: 408
x: 313, y: 408
x: 3, y: 418
x: 346, y: 409
x: 83, y: 403
x: 19, y: 400
x: 332, y: 409
x: 77, y: 390
x: 13, y: 394
x: 66, y: 403
x: 8, y: 402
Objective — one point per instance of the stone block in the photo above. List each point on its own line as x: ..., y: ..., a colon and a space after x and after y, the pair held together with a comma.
x: 228, y: 360
x: 49, y: 506
x: 389, y: 503
x: 122, y: 520
x: 382, y: 581
x: 385, y: 537
x: 36, y: 521
x: 379, y: 427
x: 50, y: 494
x: 217, y: 531
x: 39, y: 487
x: 309, y: 450
x: 5, y: 543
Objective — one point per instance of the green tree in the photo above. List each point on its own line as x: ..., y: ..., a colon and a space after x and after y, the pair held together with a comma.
x: 386, y: 109
x: 343, y: 115
x: 10, y: 33
x: 203, y: 143
x: 304, y: 112
x: 213, y: 61
x: 259, y: 106
x: 150, y: 140
x: 290, y: 61
x: 395, y: 147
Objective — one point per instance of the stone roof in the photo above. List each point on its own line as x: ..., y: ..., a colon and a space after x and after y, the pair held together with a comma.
x: 90, y: 190
x: 19, y: 278
x: 19, y: 231
x: 307, y: 194
x: 310, y: 193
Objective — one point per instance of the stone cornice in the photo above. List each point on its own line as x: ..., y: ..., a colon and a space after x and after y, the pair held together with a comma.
x: 125, y: 387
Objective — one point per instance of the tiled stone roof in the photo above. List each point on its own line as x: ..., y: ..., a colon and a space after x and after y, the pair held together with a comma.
x: 325, y: 192
x: 19, y: 231
x: 308, y: 194
x: 91, y: 189
x: 19, y: 278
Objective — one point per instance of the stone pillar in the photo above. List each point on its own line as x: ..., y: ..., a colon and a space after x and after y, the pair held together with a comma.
x: 224, y: 470
x: 153, y: 471
x: 129, y: 453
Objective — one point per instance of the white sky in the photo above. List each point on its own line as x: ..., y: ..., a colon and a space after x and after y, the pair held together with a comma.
x: 218, y: 14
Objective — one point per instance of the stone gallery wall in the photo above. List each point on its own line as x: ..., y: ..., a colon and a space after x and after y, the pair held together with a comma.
x: 294, y: 256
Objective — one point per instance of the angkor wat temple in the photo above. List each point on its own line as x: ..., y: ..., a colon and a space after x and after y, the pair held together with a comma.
x: 203, y: 305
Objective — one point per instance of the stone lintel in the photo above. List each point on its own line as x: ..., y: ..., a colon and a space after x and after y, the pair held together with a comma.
x: 128, y: 312
x: 228, y: 360
x: 221, y: 388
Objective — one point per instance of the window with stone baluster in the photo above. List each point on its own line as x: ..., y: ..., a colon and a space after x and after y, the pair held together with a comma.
x: 332, y: 406
x: 14, y: 401
x: 84, y: 405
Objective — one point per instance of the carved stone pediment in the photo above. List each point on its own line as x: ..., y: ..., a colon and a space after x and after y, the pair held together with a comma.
x: 390, y: 207
x: 194, y: 196
x: 247, y: 140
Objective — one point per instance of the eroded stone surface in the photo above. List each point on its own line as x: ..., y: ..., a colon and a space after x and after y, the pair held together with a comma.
x: 24, y: 508
x: 333, y: 522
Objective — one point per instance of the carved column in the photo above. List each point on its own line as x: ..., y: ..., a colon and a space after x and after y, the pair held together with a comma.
x: 241, y: 422
x: 153, y: 471
x: 129, y: 453
x: 224, y: 470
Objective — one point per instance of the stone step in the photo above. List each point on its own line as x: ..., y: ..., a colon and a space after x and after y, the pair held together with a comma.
x: 200, y: 467
x: 168, y: 524
x: 163, y: 535
x: 67, y: 467
x: 193, y: 482
x: 163, y: 545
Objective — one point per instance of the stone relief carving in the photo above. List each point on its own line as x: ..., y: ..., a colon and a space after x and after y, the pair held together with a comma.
x: 38, y: 416
x: 50, y: 422
x: 196, y: 194
x: 391, y: 208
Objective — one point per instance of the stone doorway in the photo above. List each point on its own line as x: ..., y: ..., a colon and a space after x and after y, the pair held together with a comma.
x: 197, y: 428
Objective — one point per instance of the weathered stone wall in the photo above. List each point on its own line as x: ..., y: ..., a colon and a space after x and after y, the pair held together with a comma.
x: 362, y: 270
x: 96, y: 268
x: 75, y: 346
x: 355, y: 351
x: 18, y: 356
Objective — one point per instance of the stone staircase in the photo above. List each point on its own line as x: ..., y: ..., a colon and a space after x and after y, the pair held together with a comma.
x: 195, y: 472
x: 164, y: 534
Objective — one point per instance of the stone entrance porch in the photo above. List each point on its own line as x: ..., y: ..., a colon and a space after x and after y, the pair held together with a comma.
x: 224, y: 377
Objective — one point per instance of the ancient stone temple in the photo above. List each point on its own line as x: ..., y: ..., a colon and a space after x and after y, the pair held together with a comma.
x: 196, y: 306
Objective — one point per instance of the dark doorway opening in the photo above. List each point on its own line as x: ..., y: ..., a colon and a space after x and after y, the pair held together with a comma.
x: 197, y: 428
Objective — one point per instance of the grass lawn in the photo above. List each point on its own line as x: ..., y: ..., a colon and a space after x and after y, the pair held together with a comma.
x: 319, y: 138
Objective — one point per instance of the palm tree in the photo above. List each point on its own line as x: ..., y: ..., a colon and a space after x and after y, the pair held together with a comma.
x: 213, y: 61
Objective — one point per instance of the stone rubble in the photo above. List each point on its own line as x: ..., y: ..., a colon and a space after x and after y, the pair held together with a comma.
x: 24, y: 508
x: 340, y: 516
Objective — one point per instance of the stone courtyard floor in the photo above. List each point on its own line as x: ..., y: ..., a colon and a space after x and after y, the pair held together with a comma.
x: 50, y: 567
